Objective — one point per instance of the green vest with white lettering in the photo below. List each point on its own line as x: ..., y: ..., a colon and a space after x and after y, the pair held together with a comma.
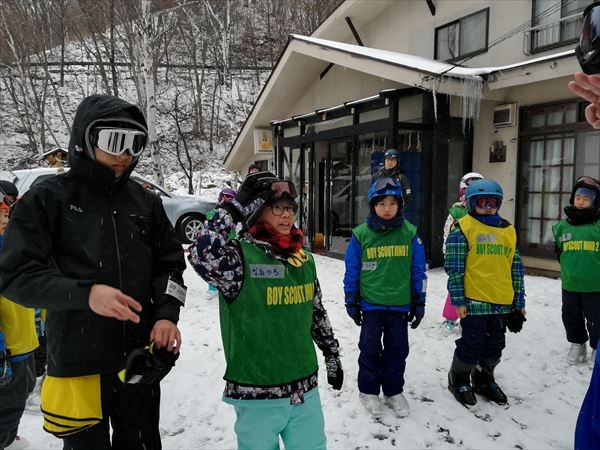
x: 266, y: 330
x: 580, y: 255
x: 385, y: 263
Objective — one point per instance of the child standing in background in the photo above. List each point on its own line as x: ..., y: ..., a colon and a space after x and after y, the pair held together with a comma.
x: 18, y: 340
x: 485, y: 281
x: 226, y: 194
x: 385, y: 286
x: 457, y: 211
x: 577, y: 240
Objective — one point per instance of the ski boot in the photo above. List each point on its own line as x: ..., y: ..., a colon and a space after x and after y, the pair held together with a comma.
x: 577, y: 354
x: 372, y: 404
x: 459, y: 382
x: 398, y: 404
x: 485, y: 384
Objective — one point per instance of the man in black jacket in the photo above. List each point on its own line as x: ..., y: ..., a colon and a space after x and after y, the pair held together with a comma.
x: 391, y: 168
x: 97, y: 251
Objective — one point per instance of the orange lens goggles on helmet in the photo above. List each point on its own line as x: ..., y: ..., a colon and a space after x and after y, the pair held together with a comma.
x: 486, y: 202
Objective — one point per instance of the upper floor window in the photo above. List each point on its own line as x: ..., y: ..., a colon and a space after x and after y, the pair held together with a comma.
x: 554, y: 23
x: 464, y: 37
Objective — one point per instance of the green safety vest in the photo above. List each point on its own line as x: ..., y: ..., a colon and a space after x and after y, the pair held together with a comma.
x: 266, y: 331
x: 386, y: 261
x: 580, y: 255
x: 458, y: 212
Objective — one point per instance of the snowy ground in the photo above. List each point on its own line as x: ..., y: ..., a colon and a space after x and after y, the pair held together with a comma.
x: 544, y: 392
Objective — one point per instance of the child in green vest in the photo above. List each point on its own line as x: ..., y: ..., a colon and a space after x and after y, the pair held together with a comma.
x: 386, y: 247
x: 458, y: 210
x: 271, y: 316
x: 485, y: 281
x: 577, y: 241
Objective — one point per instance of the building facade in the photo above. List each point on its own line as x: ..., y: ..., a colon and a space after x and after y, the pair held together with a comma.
x: 453, y: 85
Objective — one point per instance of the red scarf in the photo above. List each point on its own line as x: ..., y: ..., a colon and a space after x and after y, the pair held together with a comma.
x: 284, y: 244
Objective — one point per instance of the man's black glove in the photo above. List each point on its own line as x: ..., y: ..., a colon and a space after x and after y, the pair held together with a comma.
x: 417, y: 310
x: 353, y: 309
x: 335, y: 373
x: 515, y: 320
x: 250, y: 196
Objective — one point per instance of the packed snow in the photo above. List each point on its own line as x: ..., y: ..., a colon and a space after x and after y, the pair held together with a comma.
x: 544, y: 392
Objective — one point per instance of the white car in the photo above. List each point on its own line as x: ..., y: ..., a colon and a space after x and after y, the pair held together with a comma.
x: 186, y: 213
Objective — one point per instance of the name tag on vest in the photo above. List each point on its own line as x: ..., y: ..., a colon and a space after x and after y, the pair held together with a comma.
x: 267, y: 271
x: 369, y: 265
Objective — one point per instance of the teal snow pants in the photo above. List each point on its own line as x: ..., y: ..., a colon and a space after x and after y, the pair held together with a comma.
x: 259, y: 423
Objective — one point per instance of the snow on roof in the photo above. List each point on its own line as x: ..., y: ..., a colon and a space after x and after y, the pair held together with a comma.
x: 422, y: 64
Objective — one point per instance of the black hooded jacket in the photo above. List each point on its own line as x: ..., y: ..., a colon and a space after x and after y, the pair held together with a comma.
x: 74, y: 230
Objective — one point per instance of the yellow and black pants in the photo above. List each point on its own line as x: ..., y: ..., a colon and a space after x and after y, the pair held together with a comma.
x: 133, y: 411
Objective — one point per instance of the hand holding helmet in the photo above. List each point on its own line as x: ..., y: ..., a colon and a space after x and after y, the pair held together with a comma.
x: 254, y: 191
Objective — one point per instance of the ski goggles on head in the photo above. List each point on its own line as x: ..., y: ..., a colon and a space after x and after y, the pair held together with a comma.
x: 283, y: 187
x: 385, y: 183
x: 588, y: 180
x: 589, y: 40
x: 116, y: 141
x: 487, y: 202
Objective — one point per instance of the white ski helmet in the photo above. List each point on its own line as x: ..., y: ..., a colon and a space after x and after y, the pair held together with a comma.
x: 467, y: 178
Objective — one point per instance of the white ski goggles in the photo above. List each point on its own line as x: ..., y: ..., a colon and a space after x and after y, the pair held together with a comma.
x: 116, y: 141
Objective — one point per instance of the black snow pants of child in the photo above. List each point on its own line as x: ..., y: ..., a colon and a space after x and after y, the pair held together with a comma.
x: 483, y: 338
x: 13, y: 397
x: 581, y: 316
x: 383, y: 351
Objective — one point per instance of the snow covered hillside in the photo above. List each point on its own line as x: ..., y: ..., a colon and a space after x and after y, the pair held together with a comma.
x: 544, y: 392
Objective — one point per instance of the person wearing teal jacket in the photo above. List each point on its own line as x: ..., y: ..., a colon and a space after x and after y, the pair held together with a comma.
x: 271, y: 315
x: 577, y: 241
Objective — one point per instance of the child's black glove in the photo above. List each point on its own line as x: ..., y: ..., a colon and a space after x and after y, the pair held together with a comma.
x: 147, y: 365
x: 514, y: 321
x: 250, y: 195
x: 353, y: 309
x: 417, y: 310
x: 335, y: 373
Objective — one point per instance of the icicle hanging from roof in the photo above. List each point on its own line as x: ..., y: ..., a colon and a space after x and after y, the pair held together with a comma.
x: 472, y: 91
x: 434, y: 99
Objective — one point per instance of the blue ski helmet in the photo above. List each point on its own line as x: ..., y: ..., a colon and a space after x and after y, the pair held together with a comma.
x: 384, y: 187
x: 483, y: 188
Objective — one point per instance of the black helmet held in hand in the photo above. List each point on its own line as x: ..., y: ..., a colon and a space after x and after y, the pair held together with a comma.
x: 588, y: 49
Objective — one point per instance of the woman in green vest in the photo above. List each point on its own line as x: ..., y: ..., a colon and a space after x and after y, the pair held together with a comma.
x: 271, y: 316
x: 577, y: 241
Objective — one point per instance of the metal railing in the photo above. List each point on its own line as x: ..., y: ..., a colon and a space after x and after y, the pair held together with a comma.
x: 551, y: 35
